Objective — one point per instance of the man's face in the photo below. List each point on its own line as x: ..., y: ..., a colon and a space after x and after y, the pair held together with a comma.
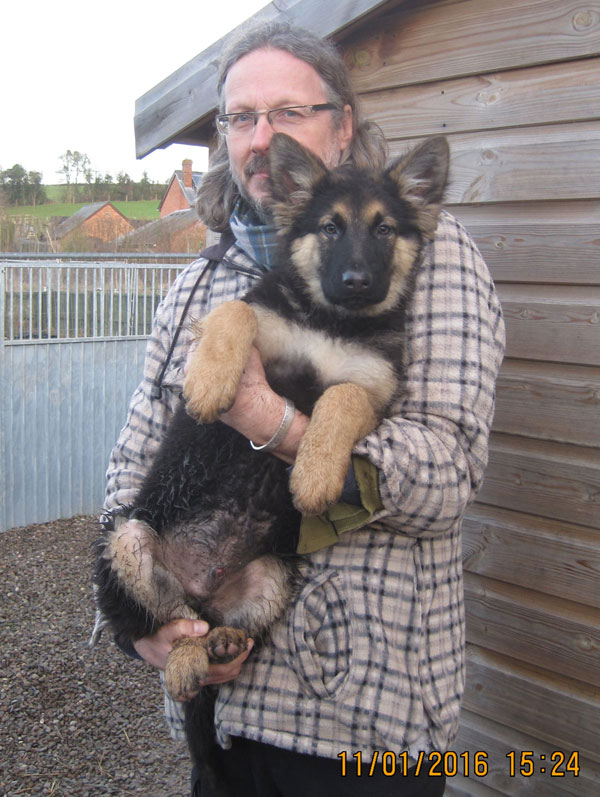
x: 266, y: 79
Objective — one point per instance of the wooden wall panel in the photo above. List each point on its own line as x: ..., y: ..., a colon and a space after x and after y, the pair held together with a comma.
x: 554, y: 480
x: 534, y: 628
x: 540, y: 95
x: 549, y: 401
x: 554, y: 558
x: 477, y: 733
x: 558, y: 323
x: 537, y: 242
x: 563, y: 712
x: 418, y: 42
x: 523, y: 165
x: 514, y: 85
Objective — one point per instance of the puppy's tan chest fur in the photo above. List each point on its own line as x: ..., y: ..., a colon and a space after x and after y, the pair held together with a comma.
x: 334, y: 359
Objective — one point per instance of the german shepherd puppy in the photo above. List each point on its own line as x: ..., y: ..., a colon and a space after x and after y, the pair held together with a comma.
x: 213, y: 530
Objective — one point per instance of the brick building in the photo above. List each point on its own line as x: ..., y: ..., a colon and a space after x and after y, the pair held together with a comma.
x: 91, y: 227
x: 181, y: 191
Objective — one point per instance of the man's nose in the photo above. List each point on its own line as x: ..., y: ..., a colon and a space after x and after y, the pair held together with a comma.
x: 262, y: 134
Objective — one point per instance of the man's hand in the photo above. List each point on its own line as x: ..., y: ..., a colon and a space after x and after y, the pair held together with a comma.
x: 257, y: 411
x: 155, y: 649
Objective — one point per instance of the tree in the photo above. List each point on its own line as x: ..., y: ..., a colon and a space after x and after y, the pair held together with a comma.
x: 37, y: 194
x: 124, y: 186
x: 74, y: 165
x: 20, y: 187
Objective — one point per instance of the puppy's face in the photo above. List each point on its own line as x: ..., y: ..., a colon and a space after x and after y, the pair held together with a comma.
x: 353, y: 235
x: 354, y: 246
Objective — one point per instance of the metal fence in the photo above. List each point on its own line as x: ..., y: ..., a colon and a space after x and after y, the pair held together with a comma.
x: 75, y: 300
x: 73, y: 336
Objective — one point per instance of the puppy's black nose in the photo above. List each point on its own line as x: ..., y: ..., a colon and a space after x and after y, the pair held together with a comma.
x: 356, y: 281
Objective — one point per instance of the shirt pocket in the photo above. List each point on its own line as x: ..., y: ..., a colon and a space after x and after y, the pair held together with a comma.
x: 320, y: 635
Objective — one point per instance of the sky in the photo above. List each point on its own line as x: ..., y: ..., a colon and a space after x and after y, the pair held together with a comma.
x: 71, y: 71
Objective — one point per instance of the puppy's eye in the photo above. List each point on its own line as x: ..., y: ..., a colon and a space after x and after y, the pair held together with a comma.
x: 330, y: 229
x: 383, y: 230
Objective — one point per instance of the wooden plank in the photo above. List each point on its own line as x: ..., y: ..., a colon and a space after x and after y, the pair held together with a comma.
x: 462, y: 787
x: 558, y: 559
x: 558, y: 710
x: 553, y: 480
x: 549, y: 401
x: 550, y: 242
x: 556, y: 162
x: 420, y: 42
x: 496, y: 741
x: 558, y: 323
x: 546, y: 94
x: 534, y: 628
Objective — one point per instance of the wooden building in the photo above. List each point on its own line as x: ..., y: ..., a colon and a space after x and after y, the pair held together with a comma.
x: 515, y: 85
x: 91, y: 228
x: 181, y: 231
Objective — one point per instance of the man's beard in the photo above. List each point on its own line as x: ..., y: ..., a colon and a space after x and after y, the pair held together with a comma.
x: 262, y: 205
x: 260, y: 163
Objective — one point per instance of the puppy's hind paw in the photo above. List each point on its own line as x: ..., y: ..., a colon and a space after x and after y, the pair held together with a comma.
x: 187, y: 668
x: 225, y: 644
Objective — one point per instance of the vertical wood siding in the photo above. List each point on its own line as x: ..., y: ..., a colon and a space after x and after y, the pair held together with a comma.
x: 514, y: 85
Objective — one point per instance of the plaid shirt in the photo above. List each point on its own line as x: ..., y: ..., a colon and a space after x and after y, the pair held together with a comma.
x: 371, y: 654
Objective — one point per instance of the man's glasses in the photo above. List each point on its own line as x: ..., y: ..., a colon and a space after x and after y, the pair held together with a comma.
x: 281, y: 120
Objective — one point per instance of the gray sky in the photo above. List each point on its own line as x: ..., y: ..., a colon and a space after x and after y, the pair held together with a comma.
x: 70, y: 73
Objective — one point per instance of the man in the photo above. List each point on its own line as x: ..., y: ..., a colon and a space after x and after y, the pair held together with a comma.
x: 370, y: 657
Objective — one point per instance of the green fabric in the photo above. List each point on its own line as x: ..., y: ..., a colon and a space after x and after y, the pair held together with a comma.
x: 319, y: 531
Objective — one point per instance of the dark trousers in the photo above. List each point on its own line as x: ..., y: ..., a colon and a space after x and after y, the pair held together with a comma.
x: 254, y: 769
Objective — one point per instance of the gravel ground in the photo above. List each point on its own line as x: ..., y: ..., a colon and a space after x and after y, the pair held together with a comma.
x: 73, y: 721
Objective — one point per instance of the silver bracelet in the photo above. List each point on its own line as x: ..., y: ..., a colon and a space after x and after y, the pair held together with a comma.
x: 284, y: 428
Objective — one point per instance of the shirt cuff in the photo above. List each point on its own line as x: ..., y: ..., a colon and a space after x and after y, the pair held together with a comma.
x: 319, y: 531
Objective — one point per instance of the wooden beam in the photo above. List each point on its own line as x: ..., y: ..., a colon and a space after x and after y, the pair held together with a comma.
x: 496, y: 741
x: 534, y: 628
x: 552, y: 480
x: 549, y: 401
x: 538, y: 95
x: 182, y: 105
x: 554, y: 162
x: 560, y: 711
x: 541, y: 242
x: 555, y: 558
x: 433, y: 41
x: 552, y: 322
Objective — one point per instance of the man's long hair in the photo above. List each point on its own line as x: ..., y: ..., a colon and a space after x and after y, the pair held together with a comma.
x: 218, y: 192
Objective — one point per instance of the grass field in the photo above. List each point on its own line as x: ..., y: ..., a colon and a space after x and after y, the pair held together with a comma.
x: 145, y: 210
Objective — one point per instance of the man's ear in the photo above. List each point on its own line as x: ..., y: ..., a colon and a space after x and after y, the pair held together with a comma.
x: 421, y: 177
x: 294, y: 172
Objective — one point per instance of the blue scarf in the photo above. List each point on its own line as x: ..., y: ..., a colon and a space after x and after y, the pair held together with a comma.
x: 258, y: 241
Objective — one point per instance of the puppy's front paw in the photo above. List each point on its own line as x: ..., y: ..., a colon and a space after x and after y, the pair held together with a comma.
x: 208, y: 393
x: 186, y: 668
x: 314, y: 486
x: 225, y: 644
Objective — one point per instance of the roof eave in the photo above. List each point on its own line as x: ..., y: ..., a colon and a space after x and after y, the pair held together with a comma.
x: 180, y: 109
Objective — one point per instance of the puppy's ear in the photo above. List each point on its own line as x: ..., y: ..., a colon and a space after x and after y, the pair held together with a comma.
x: 294, y: 172
x: 421, y: 176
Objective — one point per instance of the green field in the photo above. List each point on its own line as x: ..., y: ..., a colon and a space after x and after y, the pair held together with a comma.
x: 145, y: 210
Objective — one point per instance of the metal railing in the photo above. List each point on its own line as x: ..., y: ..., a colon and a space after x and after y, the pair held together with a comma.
x: 81, y: 298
